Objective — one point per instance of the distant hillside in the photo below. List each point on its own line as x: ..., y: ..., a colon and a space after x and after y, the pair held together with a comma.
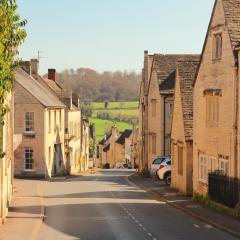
x: 108, y: 86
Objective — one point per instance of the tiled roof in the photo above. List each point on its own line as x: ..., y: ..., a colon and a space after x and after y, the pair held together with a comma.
x: 186, y: 75
x: 123, y: 136
x: 232, y: 15
x: 42, y: 94
x: 50, y: 84
x: 165, y: 66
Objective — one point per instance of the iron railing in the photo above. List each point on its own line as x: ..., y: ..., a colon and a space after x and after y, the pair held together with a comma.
x: 223, y: 189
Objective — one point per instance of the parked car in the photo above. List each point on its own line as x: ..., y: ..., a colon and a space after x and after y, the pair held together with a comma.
x: 164, y: 171
x: 156, y: 164
x: 119, y: 165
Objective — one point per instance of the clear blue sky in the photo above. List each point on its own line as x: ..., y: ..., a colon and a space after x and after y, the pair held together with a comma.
x: 111, y: 34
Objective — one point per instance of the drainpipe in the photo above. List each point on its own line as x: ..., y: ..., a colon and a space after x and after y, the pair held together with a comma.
x: 236, y: 152
x: 164, y: 124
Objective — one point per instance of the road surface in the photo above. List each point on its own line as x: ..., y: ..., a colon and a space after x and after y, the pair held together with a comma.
x: 105, y: 206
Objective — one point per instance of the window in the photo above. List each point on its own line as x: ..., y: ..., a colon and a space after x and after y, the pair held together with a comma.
x: 217, y: 46
x: 29, y: 159
x: 180, y: 160
x: 154, y: 107
x: 158, y: 161
x: 49, y: 122
x: 212, y: 109
x: 213, y: 164
x: 224, y: 165
x: 29, y: 122
x: 203, y: 168
x: 154, y: 142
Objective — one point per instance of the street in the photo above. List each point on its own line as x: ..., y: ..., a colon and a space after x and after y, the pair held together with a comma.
x: 106, y: 206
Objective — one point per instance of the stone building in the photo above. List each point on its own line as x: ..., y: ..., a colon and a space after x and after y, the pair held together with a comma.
x: 121, y: 145
x: 6, y: 161
x: 107, y: 148
x: 39, y: 118
x: 216, y: 98
x: 156, y: 105
x: 73, y: 121
x: 182, y: 126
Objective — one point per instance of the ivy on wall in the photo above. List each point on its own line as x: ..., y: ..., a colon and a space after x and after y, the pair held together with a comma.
x: 12, y: 34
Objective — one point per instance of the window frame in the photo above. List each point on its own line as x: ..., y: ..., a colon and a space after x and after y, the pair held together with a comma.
x: 225, y: 170
x: 25, y: 160
x: 212, y: 109
x: 203, y: 176
x: 25, y: 122
x: 217, y: 50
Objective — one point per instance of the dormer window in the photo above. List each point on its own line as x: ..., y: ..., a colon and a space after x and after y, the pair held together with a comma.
x: 217, y: 46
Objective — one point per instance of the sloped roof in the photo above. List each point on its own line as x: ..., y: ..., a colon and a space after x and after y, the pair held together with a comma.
x: 50, y: 84
x: 186, y: 75
x: 123, y: 136
x: 106, y: 138
x: 106, y: 148
x: 42, y: 94
x: 232, y: 15
x: 165, y: 66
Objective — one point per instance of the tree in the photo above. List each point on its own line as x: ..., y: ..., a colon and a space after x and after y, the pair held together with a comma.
x: 12, y: 35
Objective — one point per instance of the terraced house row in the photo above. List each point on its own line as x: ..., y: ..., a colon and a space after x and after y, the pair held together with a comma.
x: 49, y: 122
x: 44, y: 133
x: 189, y: 106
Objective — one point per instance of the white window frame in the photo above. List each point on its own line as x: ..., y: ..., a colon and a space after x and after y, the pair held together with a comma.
x: 28, y: 169
x: 203, y: 168
x: 25, y: 120
x: 224, y: 165
x: 213, y: 163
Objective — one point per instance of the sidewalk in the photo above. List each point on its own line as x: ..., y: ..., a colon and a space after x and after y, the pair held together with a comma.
x: 185, y: 204
x: 25, y: 213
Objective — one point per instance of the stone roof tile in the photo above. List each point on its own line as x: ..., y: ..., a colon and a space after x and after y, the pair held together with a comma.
x: 186, y: 75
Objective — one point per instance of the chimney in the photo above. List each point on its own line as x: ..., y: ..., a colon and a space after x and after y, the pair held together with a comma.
x: 26, y: 66
x: 52, y: 74
x: 34, y: 66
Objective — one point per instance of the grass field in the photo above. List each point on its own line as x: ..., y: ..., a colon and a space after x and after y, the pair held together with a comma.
x: 115, y: 105
x: 102, y: 126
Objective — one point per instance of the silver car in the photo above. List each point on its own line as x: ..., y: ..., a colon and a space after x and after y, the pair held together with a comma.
x: 156, y: 164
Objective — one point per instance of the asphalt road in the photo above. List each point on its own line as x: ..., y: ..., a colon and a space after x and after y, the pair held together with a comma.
x: 105, y: 206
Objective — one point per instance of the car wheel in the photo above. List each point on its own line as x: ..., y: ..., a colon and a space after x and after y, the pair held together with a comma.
x: 168, y: 179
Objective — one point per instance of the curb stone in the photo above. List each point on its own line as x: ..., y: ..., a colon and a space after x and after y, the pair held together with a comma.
x: 188, y: 212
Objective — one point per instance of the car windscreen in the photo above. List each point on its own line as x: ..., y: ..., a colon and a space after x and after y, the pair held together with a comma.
x: 158, y: 161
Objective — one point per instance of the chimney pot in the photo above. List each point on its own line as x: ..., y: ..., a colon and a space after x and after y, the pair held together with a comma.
x: 34, y: 66
x: 52, y: 74
x: 26, y: 66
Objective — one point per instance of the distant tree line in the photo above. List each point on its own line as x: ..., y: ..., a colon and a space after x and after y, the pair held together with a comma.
x: 107, y: 86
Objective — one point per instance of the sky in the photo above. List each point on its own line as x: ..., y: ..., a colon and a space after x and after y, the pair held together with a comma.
x: 110, y: 35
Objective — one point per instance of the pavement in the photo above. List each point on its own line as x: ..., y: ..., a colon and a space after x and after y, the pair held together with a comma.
x: 25, y: 212
x: 185, y: 204
x: 105, y: 205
